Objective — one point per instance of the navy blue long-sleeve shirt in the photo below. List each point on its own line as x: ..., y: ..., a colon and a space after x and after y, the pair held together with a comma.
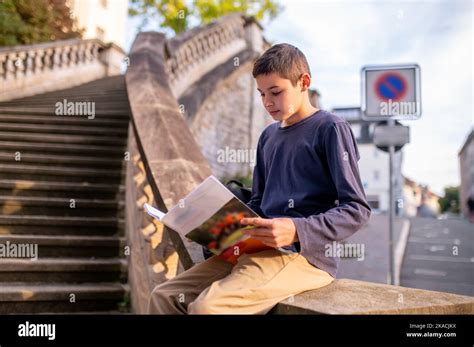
x: 308, y: 172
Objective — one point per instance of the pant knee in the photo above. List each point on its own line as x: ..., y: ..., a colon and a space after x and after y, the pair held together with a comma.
x: 202, y: 306
x: 161, y: 301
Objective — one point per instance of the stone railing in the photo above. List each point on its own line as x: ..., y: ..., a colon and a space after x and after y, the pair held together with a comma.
x: 165, y: 165
x: 39, y: 68
x: 192, y: 55
x: 345, y: 296
x: 153, y: 258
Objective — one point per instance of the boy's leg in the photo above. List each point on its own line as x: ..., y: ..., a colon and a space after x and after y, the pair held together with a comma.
x: 258, y: 282
x: 174, y: 295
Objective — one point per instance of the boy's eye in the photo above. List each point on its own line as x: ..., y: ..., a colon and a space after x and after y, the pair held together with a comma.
x: 276, y: 93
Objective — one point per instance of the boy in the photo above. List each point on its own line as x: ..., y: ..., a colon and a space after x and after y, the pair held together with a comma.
x: 306, y: 187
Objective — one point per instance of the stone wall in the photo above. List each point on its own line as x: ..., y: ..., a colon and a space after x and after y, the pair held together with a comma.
x: 210, y: 73
x: 229, y: 123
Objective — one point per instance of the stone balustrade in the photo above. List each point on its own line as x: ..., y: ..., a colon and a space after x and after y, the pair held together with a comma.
x: 33, y: 69
x: 196, y: 53
x: 153, y: 258
x: 166, y: 165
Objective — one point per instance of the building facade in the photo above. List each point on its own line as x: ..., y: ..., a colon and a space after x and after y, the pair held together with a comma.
x: 466, y: 169
x: 101, y: 19
x: 374, y: 163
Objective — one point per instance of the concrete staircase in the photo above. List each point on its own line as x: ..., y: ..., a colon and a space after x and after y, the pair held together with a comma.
x: 61, y: 188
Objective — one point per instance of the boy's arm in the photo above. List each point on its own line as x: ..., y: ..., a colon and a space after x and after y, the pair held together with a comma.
x: 353, y: 211
x: 258, y: 182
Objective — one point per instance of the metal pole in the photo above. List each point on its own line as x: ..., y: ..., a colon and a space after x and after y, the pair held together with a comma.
x: 391, y: 153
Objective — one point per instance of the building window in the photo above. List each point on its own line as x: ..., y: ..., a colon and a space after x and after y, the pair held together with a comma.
x: 376, y: 175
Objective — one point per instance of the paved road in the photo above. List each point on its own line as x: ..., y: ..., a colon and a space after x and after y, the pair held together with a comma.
x: 430, y: 261
x: 374, y: 237
x: 440, y: 256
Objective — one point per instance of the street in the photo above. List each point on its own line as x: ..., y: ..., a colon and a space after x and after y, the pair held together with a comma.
x: 439, y: 254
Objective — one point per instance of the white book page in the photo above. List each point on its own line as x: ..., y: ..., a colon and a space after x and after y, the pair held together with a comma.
x: 198, y: 206
x: 154, y: 212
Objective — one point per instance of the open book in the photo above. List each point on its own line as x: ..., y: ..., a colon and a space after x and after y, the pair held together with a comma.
x: 210, y: 215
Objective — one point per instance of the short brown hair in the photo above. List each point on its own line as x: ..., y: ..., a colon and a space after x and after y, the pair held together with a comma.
x: 286, y: 60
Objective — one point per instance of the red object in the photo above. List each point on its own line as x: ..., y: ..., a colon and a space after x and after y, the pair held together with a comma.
x: 247, y: 246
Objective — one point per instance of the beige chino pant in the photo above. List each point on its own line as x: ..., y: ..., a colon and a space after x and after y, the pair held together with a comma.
x: 252, y: 286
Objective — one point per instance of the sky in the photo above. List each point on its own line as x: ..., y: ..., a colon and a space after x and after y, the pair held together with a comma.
x: 339, y: 37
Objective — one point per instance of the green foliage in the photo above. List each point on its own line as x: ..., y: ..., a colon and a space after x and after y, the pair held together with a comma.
x: 176, y: 15
x: 209, y: 10
x: 450, y: 201
x: 28, y: 22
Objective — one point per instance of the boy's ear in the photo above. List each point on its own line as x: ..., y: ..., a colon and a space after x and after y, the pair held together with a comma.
x: 305, y: 81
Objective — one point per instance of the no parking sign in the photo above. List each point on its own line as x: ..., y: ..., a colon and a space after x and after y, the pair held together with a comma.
x: 391, y: 92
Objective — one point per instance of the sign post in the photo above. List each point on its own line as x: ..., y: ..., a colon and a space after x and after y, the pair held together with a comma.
x: 391, y: 93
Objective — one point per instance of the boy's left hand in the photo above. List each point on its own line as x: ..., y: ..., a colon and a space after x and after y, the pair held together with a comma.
x: 275, y: 232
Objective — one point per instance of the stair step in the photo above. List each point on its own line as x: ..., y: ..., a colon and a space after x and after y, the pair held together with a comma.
x: 81, y: 247
x: 63, y: 129
x: 70, y: 246
x: 76, y: 230
x: 56, y: 202
x: 62, y: 270
x: 62, y: 148
x: 39, y: 205
x: 28, y: 157
x: 55, y: 120
x: 58, y: 221
x: 56, y: 298
x: 66, y: 186
x: 54, y: 292
x: 59, y: 173
x: 60, y: 225
x: 116, y: 91
x: 110, y: 112
x: 61, y: 189
x: 77, y: 95
x: 69, y: 139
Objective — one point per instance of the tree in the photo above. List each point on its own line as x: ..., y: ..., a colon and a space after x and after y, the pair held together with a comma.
x: 450, y: 201
x: 29, y: 22
x: 176, y: 15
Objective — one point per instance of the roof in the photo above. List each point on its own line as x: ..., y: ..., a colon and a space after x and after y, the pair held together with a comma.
x: 469, y: 139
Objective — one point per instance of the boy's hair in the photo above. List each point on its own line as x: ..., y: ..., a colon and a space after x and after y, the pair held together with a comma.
x: 286, y: 60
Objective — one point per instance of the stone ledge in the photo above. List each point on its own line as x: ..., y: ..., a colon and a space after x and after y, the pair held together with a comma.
x: 347, y: 296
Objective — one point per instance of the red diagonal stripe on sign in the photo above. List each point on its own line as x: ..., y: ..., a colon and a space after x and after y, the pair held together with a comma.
x: 392, y: 88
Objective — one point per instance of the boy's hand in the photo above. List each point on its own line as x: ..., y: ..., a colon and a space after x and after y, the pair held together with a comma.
x: 275, y: 232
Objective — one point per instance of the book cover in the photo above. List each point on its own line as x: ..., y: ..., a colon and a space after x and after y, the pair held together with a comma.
x: 210, y: 215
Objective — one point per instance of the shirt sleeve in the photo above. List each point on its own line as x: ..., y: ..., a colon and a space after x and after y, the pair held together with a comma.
x: 353, y: 211
x: 258, y: 182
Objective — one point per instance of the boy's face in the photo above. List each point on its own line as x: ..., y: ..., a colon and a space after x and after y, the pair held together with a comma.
x: 280, y: 97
